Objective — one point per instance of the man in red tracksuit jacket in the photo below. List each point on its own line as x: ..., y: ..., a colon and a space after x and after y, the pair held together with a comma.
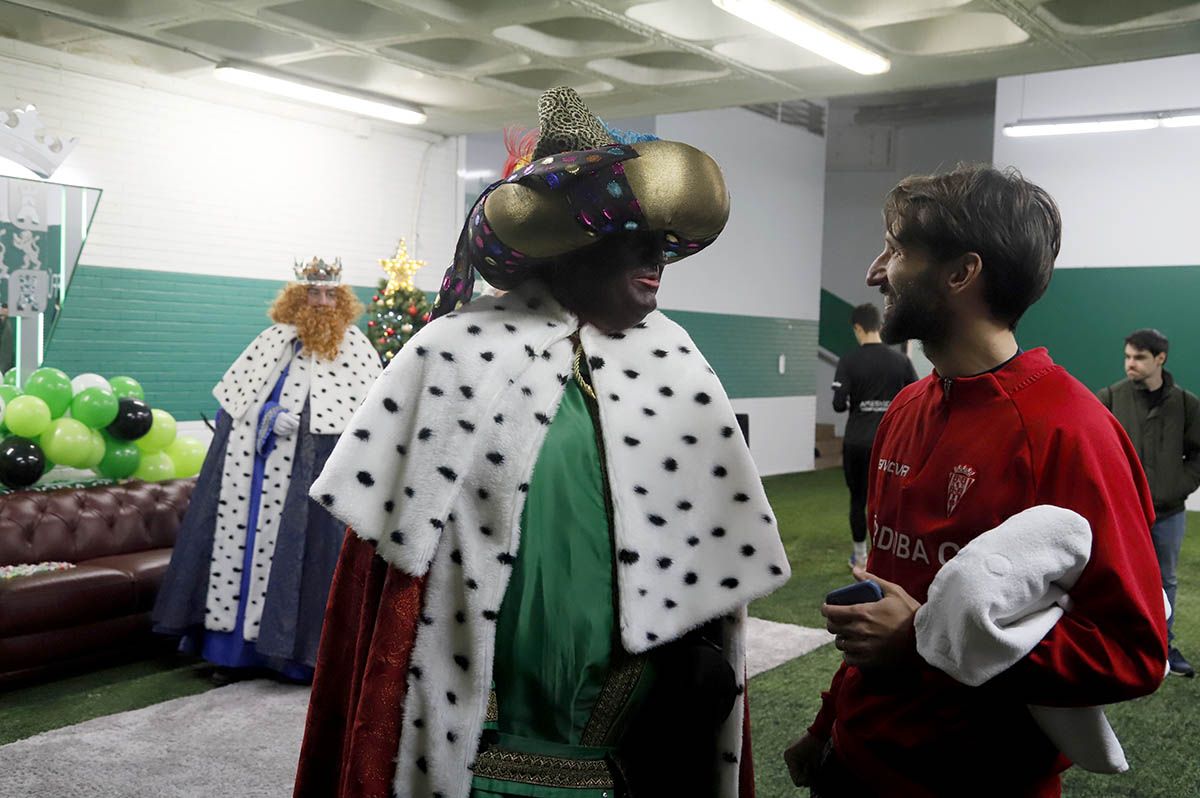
x: 992, y: 432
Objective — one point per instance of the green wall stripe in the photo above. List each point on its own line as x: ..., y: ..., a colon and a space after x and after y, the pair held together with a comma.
x: 177, y: 333
x: 745, y: 350
x: 836, y: 334
x: 1087, y: 312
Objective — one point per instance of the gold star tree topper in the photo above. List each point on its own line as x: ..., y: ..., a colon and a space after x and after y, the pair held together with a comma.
x: 400, y: 269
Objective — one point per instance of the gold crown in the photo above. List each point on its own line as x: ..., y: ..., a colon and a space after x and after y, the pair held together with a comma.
x: 318, y: 272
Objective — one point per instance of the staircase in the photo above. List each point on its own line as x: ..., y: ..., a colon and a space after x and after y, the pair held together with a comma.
x: 829, y: 448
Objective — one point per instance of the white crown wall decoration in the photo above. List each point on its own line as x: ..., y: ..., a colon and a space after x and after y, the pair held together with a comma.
x: 23, y: 140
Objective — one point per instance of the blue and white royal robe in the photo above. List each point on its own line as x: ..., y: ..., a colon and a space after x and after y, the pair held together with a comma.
x: 254, y: 556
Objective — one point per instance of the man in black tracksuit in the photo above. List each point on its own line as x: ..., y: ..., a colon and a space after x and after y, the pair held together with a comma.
x: 1163, y: 421
x: 866, y: 381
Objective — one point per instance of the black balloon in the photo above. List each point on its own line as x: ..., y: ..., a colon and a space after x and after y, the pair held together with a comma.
x: 21, y: 462
x: 133, y: 419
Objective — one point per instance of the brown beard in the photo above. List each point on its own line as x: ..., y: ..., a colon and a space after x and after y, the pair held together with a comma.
x: 321, y: 329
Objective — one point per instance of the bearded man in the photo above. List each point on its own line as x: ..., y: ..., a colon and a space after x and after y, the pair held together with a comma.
x: 250, y: 573
x: 931, y: 700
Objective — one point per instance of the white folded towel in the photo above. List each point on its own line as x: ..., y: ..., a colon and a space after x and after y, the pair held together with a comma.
x: 997, y: 598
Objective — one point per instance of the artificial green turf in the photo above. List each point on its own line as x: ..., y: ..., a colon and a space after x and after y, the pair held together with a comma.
x: 31, y: 710
x: 1159, y: 733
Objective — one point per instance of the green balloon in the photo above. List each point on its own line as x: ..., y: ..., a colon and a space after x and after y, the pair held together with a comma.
x: 187, y: 453
x: 10, y: 376
x: 161, y: 434
x: 96, y: 453
x: 27, y: 416
x: 95, y: 407
x: 7, y: 394
x: 121, y: 458
x: 127, y: 386
x: 53, y: 387
x: 155, y: 467
x: 68, y: 442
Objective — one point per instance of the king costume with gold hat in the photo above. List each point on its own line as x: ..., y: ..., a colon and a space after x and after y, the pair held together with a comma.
x: 555, y: 528
x: 250, y: 572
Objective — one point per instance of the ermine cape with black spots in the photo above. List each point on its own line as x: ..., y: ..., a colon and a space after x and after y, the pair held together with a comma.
x: 333, y: 390
x: 434, y: 467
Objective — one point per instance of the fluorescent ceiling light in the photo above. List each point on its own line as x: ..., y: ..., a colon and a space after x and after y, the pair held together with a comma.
x: 1114, y: 123
x: 476, y: 174
x: 264, y: 79
x: 1182, y: 120
x: 800, y: 30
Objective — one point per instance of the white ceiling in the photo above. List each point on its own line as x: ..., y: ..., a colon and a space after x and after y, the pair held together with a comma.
x: 478, y: 64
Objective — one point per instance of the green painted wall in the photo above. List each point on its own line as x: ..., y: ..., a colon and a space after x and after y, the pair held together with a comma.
x: 177, y: 333
x: 1086, y: 313
x: 1084, y: 317
x: 837, y: 336
x: 745, y: 350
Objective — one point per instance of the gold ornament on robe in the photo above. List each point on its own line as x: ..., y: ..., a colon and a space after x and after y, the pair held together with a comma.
x: 400, y: 269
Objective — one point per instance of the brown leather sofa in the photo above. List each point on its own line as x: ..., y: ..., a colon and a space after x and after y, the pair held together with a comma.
x: 119, y: 536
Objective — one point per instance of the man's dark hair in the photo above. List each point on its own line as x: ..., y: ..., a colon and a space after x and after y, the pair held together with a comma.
x: 866, y: 316
x: 1148, y: 340
x: 1012, y: 225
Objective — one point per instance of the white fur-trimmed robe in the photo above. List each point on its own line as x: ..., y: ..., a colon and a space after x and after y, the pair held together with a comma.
x: 334, y: 390
x: 435, y: 472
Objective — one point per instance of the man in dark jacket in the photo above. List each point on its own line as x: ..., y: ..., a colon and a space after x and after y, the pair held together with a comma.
x: 1163, y: 421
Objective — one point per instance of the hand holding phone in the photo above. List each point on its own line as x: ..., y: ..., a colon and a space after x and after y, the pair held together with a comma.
x: 863, y: 592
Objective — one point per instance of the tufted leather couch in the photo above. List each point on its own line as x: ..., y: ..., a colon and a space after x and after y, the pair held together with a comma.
x: 120, y: 538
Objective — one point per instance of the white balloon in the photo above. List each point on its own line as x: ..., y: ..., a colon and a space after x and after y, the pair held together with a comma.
x: 84, y: 381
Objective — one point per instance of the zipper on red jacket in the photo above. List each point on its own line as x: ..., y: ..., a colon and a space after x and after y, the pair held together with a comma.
x: 946, y: 383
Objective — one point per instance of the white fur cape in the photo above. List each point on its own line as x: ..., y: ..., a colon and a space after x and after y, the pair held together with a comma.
x: 435, y: 468
x: 334, y: 390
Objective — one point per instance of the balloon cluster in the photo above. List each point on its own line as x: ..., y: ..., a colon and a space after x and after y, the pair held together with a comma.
x: 88, y: 422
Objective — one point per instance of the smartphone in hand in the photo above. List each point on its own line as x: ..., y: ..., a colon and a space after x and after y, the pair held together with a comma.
x: 858, y: 593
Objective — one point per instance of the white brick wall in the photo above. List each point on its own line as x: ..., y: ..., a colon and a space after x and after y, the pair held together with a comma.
x: 201, y: 179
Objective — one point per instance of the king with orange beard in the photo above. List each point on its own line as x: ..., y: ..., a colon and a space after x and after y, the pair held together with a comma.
x: 250, y: 573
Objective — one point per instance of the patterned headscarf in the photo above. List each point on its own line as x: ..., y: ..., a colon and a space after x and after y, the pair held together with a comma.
x: 577, y: 193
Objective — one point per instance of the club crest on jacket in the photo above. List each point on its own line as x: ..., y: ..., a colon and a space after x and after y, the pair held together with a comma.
x: 962, y: 477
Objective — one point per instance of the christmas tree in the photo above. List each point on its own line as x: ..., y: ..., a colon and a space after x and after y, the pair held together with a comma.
x: 400, y: 308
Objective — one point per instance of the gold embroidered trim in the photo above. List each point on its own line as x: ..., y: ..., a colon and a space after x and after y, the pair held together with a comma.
x: 542, y: 770
x: 493, y: 709
x: 618, y: 688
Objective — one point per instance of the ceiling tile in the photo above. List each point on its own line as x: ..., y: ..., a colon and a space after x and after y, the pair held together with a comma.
x: 126, y: 10
x: 659, y: 68
x: 34, y: 28
x: 457, y: 54
x: 473, y: 10
x: 870, y: 13
x: 691, y: 20
x: 240, y: 39
x: 345, y: 19
x: 770, y: 54
x: 570, y: 37
x: 382, y: 77
x: 1091, y: 13
x: 538, y: 80
x: 953, y: 33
